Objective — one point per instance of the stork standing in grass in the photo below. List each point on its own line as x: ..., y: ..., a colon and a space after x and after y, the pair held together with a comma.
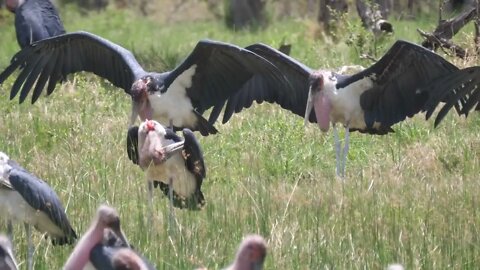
x: 26, y: 198
x: 106, y: 218
x: 370, y: 101
x: 174, y: 164
x: 211, y: 73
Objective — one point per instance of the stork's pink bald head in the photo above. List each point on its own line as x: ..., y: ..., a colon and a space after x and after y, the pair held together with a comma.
x: 150, y: 125
x: 12, y: 5
x: 106, y: 217
x: 318, y: 100
x: 251, y: 254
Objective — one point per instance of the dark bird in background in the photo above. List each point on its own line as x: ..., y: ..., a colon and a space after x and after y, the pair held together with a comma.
x: 396, y: 87
x: 106, y: 218
x: 35, y: 20
x: 173, y: 164
x: 7, y: 260
x: 251, y: 254
x: 24, y: 197
x: 209, y: 75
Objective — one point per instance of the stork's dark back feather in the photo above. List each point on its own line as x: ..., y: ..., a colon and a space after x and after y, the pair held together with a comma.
x: 194, y: 156
x: 54, y: 58
x: 36, y: 20
x: 132, y: 145
x: 41, y: 197
x: 195, y: 164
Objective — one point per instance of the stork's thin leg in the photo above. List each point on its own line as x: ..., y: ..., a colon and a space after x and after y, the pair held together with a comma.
x: 171, y: 124
x: 150, y: 201
x: 345, y: 151
x: 171, y: 217
x: 338, y: 147
x: 10, y: 232
x: 30, y: 247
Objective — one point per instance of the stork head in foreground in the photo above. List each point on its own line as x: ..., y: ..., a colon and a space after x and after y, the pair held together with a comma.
x: 251, y: 254
x: 114, y: 253
x: 108, y: 218
x: 105, y: 218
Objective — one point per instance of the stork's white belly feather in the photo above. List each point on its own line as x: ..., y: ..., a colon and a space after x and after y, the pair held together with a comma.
x: 346, y: 107
x: 174, y: 104
x: 13, y: 205
x: 184, y: 182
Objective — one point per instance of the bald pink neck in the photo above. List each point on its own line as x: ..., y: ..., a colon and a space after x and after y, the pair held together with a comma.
x: 146, y: 111
x: 323, y: 107
x: 81, y: 254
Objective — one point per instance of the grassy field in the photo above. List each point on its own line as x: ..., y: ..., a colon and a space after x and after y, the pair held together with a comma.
x: 411, y: 197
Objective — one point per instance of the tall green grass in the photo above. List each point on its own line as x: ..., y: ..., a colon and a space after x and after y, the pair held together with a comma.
x: 410, y: 197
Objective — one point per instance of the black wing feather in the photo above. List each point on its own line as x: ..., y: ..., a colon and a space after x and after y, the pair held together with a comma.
x: 40, y: 196
x: 401, y: 78
x: 221, y: 70
x: 292, y: 96
x: 132, y: 145
x: 194, y: 156
x: 72, y: 52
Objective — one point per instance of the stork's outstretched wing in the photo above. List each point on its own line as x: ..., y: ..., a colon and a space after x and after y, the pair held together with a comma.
x: 54, y: 58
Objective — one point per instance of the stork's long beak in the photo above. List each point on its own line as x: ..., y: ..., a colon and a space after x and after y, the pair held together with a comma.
x: 133, y: 117
x: 309, y: 106
x: 173, y: 148
x: 120, y: 235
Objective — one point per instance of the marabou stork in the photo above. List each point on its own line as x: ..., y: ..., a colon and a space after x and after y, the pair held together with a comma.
x: 174, y: 165
x: 251, y: 254
x: 113, y: 253
x: 24, y: 197
x: 210, y: 74
x: 7, y: 260
x: 35, y: 20
x: 370, y: 101
x: 106, y: 218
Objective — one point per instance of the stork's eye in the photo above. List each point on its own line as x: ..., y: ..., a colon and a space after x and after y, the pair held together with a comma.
x: 314, y: 82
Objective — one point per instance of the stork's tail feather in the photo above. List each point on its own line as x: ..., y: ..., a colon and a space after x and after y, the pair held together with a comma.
x: 66, y: 240
x: 194, y: 202
x: 203, y: 126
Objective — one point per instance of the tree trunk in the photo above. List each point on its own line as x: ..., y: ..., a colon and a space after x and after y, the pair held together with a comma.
x: 329, y: 13
x: 446, y: 29
x: 243, y: 13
